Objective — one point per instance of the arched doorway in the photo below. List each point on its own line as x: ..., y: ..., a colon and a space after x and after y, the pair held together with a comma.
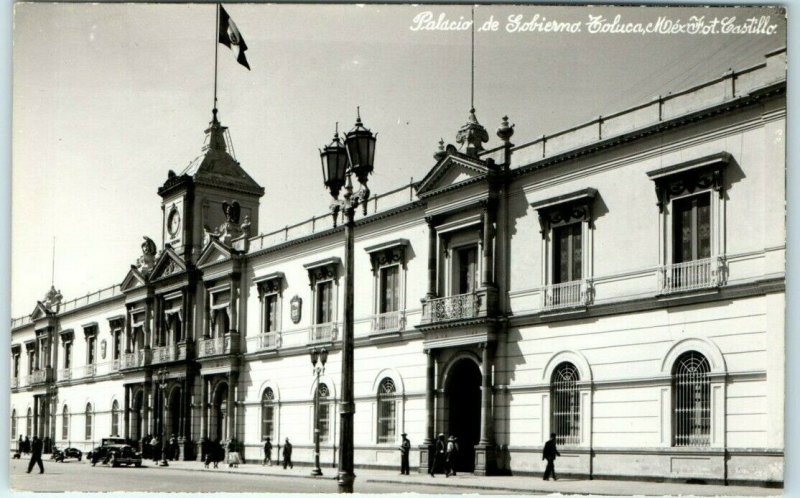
x: 219, y: 413
x: 174, y: 428
x: 463, y: 393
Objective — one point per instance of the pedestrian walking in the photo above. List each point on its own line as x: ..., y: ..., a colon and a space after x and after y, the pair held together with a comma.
x: 173, y: 448
x: 438, y: 454
x: 405, y: 448
x: 36, y: 455
x: 287, y: 454
x: 267, y: 452
x: 550, y: 453
x: 26, y: 448
x: 155, y: 446
x: 233, y: 454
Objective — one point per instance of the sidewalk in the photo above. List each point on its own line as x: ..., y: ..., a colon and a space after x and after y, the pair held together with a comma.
x: 496, y: 484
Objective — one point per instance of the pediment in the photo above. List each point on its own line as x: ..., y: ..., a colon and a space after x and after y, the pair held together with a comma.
x: 40, y: 311
x: 168, y: 264
x: 453, y: 169
x: 214, y: 252
x: 133, y: 280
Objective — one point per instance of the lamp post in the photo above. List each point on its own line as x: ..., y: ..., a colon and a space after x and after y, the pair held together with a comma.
x: 339, y: 163
x: 322, y: 356
x: 162, y: 385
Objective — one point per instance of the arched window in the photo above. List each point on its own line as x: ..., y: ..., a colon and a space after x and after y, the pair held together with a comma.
x: 115, y: 418
x: 565, y: 407
x: 29, y: 423
x: 387, y: 411
x: 65, y: 423
x: 88, y: 417
x: 13, y: 424
x: 324, y: 413
x: 268, y: 414
x: 691, y: 400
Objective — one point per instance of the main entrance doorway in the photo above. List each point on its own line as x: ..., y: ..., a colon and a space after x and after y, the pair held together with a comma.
x: 463, y: 392
x: 219, y: 414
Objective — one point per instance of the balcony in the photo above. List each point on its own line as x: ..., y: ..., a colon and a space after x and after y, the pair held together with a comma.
x: 90, y: 370
x: 264, y: 342
x: 65, y: 374
x: 15, y: 382
x: 42, y: 376
x: 389, y: 322
x: 214, y: 346
x: 323, y: 333
x: 171, y: 352
x: 478, y: 304
x: 136, y: 359
x: 689, y: 276
x: 575, y: 294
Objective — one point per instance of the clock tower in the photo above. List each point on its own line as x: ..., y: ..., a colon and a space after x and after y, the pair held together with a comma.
x: 192, y: 201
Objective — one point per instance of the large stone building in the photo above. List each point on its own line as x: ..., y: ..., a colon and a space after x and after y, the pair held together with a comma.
x: 620, y: 283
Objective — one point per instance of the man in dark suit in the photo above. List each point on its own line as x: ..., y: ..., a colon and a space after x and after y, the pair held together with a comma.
x: 550, y: 453
x: 405, y: 448
x: 287, y: 454
x: 36, y: 455
x: 438, y: 454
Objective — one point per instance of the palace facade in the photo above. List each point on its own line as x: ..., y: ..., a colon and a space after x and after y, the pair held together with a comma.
x: 620, y: 284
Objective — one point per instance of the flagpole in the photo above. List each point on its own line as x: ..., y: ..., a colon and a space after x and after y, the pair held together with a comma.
x: 216, y: 56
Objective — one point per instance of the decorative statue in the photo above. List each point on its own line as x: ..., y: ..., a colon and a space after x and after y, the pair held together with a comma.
x: 147, y: 260
x: 231, y: 230
x: 52, y: 300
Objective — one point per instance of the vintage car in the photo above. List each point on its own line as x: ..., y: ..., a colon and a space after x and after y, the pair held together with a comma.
x: 61, y: 455
x: 116, y: 455
x: 101, y: 452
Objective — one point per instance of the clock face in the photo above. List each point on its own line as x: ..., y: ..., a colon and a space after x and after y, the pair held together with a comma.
x: 174, y: 222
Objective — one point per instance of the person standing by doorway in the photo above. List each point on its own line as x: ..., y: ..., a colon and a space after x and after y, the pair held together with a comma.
x: 268, y: 452
x: 36, y: 455
x: 405, y: 448
x: 287, y: 454
x: 438, y: 454
x: 550, y: 453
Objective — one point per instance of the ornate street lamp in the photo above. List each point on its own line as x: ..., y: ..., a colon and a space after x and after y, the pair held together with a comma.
x: 163, y: 383
x: 322, y: 356
x: 359, y: 148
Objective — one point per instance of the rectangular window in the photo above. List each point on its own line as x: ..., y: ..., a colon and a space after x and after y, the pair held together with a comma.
x: 691, y: 228
x: 267, y: 421
x: 467, y: 269
x: 270, y: 313
x: 67, y: 354
x: 390, y: 289
x: 324, y: 302
x: 16, y: 366
x: 90, y: 341
x: 117, y: 344
x: 567, y: 253
x: 386, y: 420
x: 324, y: 422
x: 30, y: 362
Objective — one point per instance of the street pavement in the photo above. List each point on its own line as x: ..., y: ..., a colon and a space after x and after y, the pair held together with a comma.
x: 192, y: 477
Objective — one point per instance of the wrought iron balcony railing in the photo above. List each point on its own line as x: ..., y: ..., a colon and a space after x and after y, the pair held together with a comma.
x: 692, y: 275
x: 456, y: 307
x: 136, y: 359
x: 572, y: 294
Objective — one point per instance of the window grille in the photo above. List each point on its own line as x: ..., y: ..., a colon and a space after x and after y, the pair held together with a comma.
x: 691, y: 393
x: 115, y: 418
x: 387, y: 411
x: 14, y: 424
x: 565, y: 404
x: 267, y: 413
x: 324, y: 409
x: 65, y: 423
x: 88, y: 427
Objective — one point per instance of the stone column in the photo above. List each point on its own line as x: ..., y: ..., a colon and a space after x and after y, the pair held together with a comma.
x: 426, y: 449
x: 146, y: 428
x: 127, y: 414
x: 203, y: 416
x: 484, y: 450
x: 233, y: 379
x: 488, y: 245
x: 432, y: 257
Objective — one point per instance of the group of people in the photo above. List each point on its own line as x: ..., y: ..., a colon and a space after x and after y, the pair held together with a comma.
x: 152, y: 449
x: 287, y: 453
x: 445, y: 454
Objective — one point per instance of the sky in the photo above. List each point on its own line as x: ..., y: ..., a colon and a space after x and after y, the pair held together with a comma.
x: 108, y: 97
